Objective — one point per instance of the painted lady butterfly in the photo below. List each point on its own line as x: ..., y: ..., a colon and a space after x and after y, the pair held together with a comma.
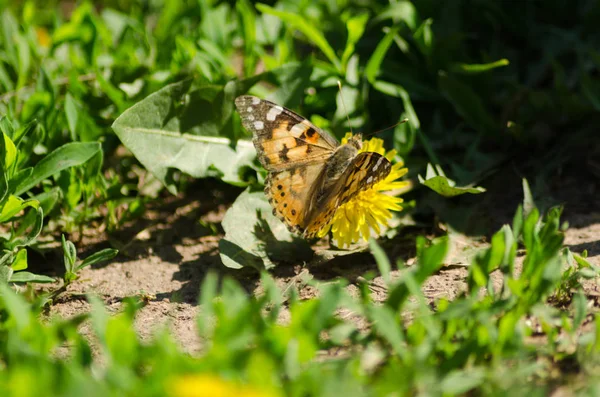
x: 310, y: 173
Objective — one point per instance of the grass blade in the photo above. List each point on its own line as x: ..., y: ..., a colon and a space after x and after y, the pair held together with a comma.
x: 311, y: 32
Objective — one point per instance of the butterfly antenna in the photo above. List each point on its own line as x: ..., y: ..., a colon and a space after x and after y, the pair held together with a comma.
x: 344, y: 106
x: 387, y: 128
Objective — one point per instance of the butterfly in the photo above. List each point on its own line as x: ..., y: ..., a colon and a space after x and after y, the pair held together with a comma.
x: 309, y: 173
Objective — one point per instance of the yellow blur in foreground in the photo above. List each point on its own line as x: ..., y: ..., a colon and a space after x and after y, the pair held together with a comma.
x: 204, y: 385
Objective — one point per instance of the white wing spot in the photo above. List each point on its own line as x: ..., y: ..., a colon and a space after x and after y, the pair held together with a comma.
x: 298, y: 129
x: 251, y: 117
x: 369, y: 179
x: 259, y: 125
x: 378, y: 163
x: 255, y: 100
x: 249, y: 109
x: 274, y: 112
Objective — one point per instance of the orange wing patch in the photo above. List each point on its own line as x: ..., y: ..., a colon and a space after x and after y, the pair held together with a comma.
x: 288, y: 192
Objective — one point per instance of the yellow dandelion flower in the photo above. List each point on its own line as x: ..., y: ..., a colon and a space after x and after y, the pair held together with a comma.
x: 369, y: 209
x: 205, y: 385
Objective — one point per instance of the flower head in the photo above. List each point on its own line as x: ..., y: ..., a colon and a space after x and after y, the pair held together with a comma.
x: 369, y: 209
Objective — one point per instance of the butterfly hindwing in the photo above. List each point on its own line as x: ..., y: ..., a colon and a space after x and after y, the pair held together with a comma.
x: 282, y: 138
x: 288, y: 191
x: 367, y: 169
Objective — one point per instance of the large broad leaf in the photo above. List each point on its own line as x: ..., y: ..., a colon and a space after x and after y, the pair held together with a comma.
x: 155, y: 130
x: 190, y: 129
x: 256, y: 238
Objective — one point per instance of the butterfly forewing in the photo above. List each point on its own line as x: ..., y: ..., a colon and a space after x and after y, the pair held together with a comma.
x: 282, y: 138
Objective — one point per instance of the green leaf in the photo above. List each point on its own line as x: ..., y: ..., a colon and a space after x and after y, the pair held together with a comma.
x: 11, y: 152
x: 208, y: 292
x: 116, y: 95
x: 23, y: 131
x: 579, y: 309
x: 436, y: 180
x: 69, y: 155
x: 356, y: 28
x: 99, y: 318
x: 374, y: 63
x: 291, y: 81
x: 20, y: 262
x: 4, y: 186
x: 398, y: 91
x: 501, y: 254
x: 460, y: 382
x: 10, y: 29
x: 475, y: 68
x: 5, y: 274
x: 72, y: 115
x: 423, y: 37
x: 429, y: 260
x: 383, y: 262
x: 100, y: 256
x: 16, y: 306
x: 6, y: 127
x: 528, y: 202
x: 47, y: 201
x: 467, y: 103
x: 16, y: 47
x: 5, y: 80
x: 69, y: 255
x: 311, y: 31
x: 401, y: 11
x: 17, y: 179
x: 14, y: 205
x: 28, y: 277
x: 581, y: 261
x: 255, y: 237
x: 153, y: 130
x: 517, y: 225
x: 387, y: 325
x: 248, y: 19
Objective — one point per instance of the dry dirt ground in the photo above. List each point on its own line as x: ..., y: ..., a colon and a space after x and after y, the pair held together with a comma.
x: 165, y: 255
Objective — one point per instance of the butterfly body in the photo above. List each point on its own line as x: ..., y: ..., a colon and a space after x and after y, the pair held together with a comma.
x: 310, y: 173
